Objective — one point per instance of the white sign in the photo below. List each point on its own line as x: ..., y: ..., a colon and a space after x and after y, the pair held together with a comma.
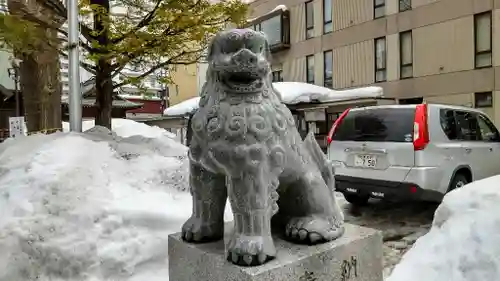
x: 16, y: 127
x: 316, y: 115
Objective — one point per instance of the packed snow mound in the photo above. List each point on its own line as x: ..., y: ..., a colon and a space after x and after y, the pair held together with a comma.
x: 90, y: 206
x: 292, y: 93
x: 464, y: 241
x: 127, y: 128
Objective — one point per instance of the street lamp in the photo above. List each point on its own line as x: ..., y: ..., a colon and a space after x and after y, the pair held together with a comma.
x: 14, y: 74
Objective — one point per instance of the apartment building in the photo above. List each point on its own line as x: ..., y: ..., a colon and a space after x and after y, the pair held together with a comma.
x: 187, y: 81
x: 438, y: 51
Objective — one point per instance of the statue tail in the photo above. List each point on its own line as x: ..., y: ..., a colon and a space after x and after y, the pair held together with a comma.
x: 325, y: 167
x: 319, y: 158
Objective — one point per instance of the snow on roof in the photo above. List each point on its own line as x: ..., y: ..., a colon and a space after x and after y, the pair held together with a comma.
x: 463, y: 243
x: 142, y: 97
x: 292, y: 93
x: 279, y: 7
x: 185, y: 107
x: 298, y: 92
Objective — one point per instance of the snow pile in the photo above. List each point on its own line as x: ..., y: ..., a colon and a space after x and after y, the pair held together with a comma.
x: 464, y: 241
x: 127, y: 128
x: 293, y: 93
x: 91, y: 206
x: 297, y: 92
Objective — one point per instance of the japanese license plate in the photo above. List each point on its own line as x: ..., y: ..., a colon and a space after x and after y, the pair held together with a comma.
x: 365, y: 160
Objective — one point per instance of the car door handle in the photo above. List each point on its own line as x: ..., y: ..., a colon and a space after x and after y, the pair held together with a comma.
x: 491, y: 148
x: 468, y: 150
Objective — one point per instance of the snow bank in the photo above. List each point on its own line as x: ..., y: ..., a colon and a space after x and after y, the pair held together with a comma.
x: 90, y: 206
x: 297, y: 92
x: 464, y: 241
x: 293, y: 93
x: 127, y: 128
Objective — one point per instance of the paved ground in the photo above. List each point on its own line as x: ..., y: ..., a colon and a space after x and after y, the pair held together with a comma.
x: 401, y: 224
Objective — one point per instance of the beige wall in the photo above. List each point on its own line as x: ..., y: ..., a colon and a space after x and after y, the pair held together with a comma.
x: 443, y: 47
x: 353, y: 65
x: 184, y: 83
x: 347, y: 13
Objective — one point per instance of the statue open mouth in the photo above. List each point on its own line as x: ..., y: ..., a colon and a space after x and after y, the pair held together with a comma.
x: 243, y: 82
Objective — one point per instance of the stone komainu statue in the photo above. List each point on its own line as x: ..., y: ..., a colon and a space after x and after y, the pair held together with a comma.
x: 245, y: 145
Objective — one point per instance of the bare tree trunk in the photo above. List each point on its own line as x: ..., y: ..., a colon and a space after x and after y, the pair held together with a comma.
x: 104, y: 95
x: 104, y: 82
x: 41, y: 88
x: 40, y: 75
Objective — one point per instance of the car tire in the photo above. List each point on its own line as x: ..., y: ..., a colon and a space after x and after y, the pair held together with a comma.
x: 458, y: 181
x: 357, y: 200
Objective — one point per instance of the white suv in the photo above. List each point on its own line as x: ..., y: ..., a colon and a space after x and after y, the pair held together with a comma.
x: 415, y: 152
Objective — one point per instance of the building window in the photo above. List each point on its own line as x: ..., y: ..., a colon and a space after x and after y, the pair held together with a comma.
x: 328, y: 69
x: 418, y: 100
x: 380, y: 59
x: 327, y: 16
x: 272, y: 28
x: 276, y: 26
x: 405, y: 55
x: 309, y: 20
x: 277, y: 76
x: 484, y: 99
x: 378, y: 9
x: 404, y: 5
x: 310, y: 69
x: 482, y: 38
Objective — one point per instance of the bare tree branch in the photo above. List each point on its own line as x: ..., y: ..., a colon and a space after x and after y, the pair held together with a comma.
x: 144, y: 22
x: 58, y: 7
x: 29, y: 16
x: 157, y: 40
x: 163, y: 64
x: 118, y: 70
x: 87, y: 66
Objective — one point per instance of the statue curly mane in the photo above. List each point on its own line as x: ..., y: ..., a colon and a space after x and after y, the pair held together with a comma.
x: 245, y: 146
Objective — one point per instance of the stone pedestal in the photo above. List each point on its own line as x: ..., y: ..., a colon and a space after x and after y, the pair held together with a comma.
x: 356, y: 256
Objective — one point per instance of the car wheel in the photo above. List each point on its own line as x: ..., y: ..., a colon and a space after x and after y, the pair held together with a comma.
x: 358, y: 200
x: 458, y: 181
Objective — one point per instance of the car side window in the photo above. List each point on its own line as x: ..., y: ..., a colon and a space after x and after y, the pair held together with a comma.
x: 468, y: 127
x: 488, y: 131
x: 448, y: 123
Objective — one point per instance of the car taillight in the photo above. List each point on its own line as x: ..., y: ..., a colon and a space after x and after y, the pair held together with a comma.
x: 420, y: 128
x: 336, y: 124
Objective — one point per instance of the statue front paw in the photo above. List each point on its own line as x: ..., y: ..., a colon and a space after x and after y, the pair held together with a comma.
x: 197, y: 231
x: 246, y: 250
x: 313, y: 230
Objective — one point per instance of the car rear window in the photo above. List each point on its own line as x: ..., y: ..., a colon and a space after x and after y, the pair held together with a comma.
x: 377, y: 124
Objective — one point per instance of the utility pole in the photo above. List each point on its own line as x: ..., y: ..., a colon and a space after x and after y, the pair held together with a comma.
x: 75, y: 97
